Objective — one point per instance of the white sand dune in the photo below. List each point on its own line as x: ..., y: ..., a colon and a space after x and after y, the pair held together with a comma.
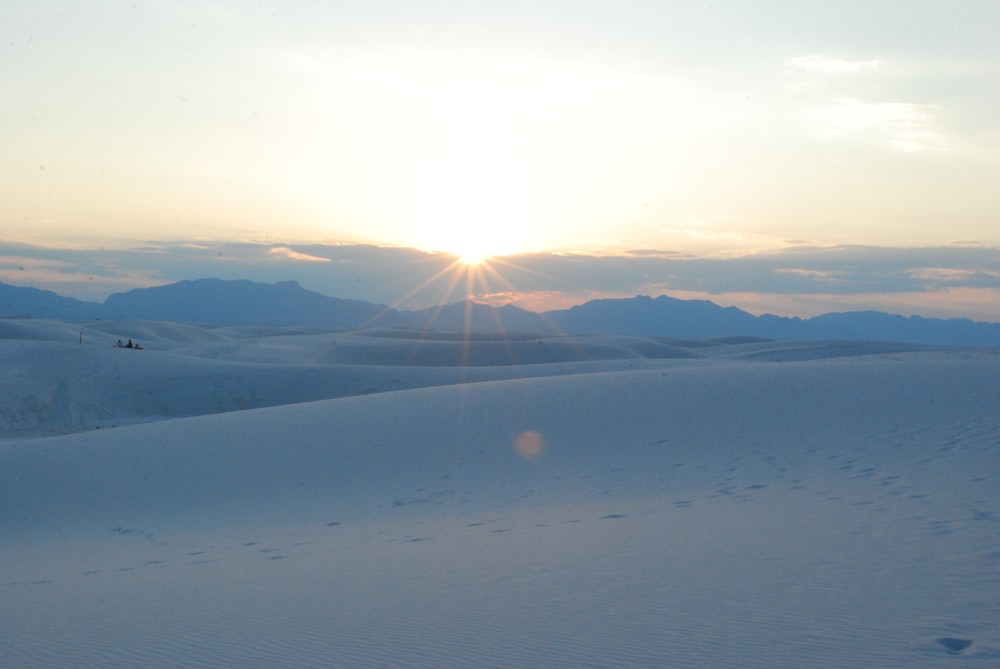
x: 623, y: 502
x: 52, y: 387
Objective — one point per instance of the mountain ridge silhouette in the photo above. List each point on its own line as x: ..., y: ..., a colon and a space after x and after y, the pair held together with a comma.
x: 220, y: 302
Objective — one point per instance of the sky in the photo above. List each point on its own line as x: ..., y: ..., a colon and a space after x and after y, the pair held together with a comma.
x: 784, y: 157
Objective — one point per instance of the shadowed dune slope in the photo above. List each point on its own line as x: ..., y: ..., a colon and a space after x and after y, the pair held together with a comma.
x: 54, y: 383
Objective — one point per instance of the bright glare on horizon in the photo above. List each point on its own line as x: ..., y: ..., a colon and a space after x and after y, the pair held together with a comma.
x: 635, y: 129
x: 485, y: 129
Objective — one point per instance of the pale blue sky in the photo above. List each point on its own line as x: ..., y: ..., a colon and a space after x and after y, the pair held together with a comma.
x: 713, y: 130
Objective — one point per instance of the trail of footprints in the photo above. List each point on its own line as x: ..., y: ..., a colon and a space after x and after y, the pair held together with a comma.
x: 728, y: 485
x: 854, y: 474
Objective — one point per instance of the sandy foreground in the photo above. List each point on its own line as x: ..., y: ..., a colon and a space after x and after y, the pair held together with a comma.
x: 244, y: 497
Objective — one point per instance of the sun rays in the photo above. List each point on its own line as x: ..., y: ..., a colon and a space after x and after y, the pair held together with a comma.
x: 455, y: 286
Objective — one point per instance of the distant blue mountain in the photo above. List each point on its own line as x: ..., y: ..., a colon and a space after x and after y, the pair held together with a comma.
x: 218, y: 302
x: 34, y: 303
x: 670, y: 317
x: 656, y: 317
x: 887, y: 327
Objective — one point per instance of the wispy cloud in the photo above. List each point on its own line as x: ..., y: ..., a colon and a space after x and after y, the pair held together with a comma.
x: 903, y: 126
x: 816, y: 274
x: 829, y: 65
x: 285, y: 252
x: 546, y: 300
x: 943, y: 278
x: 887, y: 105
x: 73, y: 279
x: 22, y: 263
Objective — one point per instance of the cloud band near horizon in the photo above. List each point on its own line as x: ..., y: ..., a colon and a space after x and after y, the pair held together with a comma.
x: 961, y: 280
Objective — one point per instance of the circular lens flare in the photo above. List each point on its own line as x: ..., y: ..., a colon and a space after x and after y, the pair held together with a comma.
x: 529, y: 445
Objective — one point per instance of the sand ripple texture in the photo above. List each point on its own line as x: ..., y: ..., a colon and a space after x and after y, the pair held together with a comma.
x: 834, y: 512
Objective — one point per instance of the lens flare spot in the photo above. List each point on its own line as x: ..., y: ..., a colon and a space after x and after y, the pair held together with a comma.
x: 529, y: 445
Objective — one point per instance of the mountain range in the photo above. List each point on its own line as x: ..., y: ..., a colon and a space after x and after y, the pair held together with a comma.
x: 286, y: 303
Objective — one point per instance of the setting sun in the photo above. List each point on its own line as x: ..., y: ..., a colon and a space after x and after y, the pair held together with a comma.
x: 472, y: 211
x: 472, y: 258
x: 482, y: 163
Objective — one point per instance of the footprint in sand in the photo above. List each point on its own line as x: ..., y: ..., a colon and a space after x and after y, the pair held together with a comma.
x: 949, y: 645
x: 953, y: 645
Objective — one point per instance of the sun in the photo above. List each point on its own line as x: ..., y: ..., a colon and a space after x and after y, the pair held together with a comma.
x: 467, y: 166
x: 472, y: 214
x: 473, y: 258
x: 472, y: 204
x: 469, y: 236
